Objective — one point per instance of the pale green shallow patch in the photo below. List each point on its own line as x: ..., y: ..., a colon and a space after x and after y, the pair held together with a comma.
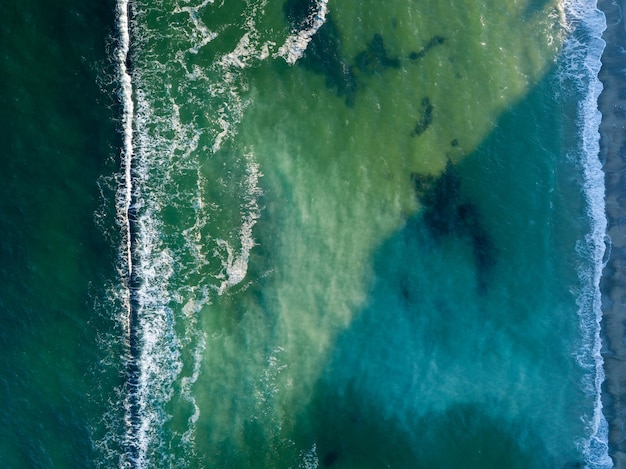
x: 337, y: 182
x: 340, y: 177
x: 336, y: 186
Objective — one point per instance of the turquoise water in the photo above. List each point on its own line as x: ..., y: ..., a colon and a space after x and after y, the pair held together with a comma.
x: 301, y: 234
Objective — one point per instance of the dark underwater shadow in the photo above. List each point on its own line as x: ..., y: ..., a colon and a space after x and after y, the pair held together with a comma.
x: 345, y: 76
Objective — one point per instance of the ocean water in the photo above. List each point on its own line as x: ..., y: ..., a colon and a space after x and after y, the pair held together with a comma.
x: 301, y: 234
x: 59, y: 135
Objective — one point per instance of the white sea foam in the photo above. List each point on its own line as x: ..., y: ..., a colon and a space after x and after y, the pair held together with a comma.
x: 268, y: 386
x: 310, y: 459
x: 203, y: 35
x: 124, y: 201
x: 174, y: 283
x: 187, y: 382
x: 237, y: 58
x: 582, y: 52
x: 125, y: 191
x: 298, y: 41
x: 249, y: 49
x: 157, y: 356
x: 159, y: 360
x: 236, y: 264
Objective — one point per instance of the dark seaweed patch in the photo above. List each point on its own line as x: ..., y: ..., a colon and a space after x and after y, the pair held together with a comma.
x: 447, y: 213
x: 422, y: 183
x: 442, y: 203
x: 434, y: 41
x: 375, y: 59
x: 481, y: 243
x: 322, y: 55
x: 425, y: 120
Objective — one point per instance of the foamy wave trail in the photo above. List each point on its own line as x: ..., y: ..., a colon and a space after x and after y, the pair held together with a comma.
x: 153, y: 361
x: 125, y: 195
x: 297, y: 42
x: 582, y: 53
x: 124, y: 209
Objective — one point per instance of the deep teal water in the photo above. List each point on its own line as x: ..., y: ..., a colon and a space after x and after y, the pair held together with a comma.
x: 382, y: 254
x: 58, y: 134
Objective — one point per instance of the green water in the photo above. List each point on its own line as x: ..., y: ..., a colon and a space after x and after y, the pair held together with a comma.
x: 58, y: 131
x: 373, y: 257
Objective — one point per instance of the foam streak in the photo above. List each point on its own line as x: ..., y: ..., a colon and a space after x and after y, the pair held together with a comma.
x: 583, y: 50
x: 296, y: 44
x: 125, y: 214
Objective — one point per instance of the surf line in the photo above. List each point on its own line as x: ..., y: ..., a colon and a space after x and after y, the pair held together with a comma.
x: 298, y: 41
x: 126, y: 209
